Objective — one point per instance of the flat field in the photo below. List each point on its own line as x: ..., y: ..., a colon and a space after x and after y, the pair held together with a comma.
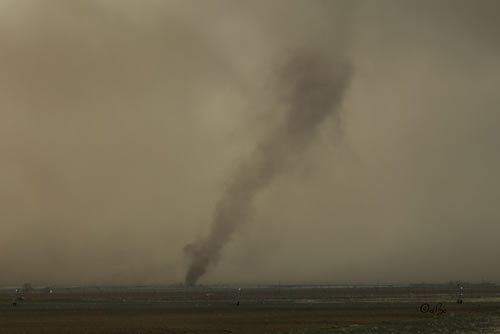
x: 298, y: 309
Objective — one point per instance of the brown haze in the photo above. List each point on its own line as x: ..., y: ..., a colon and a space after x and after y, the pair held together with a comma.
x: 122, y: 123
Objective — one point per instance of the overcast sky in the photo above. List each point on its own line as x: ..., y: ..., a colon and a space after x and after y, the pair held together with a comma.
x: 122, y: 122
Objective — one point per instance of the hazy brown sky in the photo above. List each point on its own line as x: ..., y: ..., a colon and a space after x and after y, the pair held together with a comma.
x: 121, y: 123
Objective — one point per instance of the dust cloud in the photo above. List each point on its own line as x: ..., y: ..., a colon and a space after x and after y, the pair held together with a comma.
x: 124, y: 123
x: 314, y: 94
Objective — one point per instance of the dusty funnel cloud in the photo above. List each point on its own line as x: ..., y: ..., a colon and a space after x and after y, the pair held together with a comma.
x: 309, y: 88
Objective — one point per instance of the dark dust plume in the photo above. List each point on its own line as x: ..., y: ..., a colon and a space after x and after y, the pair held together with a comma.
x: 310, y: 88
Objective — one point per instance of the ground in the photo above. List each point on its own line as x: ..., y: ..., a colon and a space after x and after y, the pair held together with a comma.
x: 210, y: 310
